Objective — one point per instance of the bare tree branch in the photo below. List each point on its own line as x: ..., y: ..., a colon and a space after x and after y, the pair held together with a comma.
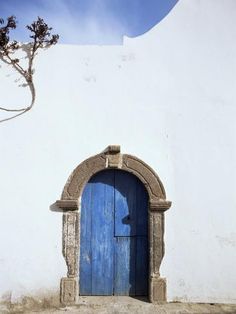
x: 41, y: 38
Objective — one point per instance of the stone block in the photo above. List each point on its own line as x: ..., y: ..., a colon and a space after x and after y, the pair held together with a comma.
x: 69, y: 291
x: 157, y: 290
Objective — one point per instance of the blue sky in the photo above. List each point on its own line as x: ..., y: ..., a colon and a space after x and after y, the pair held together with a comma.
x: 88, y: 21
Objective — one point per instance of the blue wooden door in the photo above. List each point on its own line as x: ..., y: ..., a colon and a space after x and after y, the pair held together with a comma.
x: 113, y: 236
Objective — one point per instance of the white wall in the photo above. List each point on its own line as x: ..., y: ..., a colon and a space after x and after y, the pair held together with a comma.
x: 167, y: 97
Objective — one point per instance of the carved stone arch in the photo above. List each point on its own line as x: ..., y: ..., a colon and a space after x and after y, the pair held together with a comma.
x: 70, y: 204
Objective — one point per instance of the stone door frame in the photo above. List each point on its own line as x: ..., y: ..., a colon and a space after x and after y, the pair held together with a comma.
x: 70, y: 205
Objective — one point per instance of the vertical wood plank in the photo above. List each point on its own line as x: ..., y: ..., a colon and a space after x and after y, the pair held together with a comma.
x: 102, y: 234
x: 124, y: 279
x: 141, y: 209
x: 141, y: 267
x: 97, y: 231
x: 125, y: 204
x: 85, y: 273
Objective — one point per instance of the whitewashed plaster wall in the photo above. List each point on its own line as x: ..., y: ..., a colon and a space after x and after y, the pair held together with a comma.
x: 167, y: 97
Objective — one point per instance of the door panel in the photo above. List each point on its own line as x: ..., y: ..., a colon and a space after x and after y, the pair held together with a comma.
x: 113, y: 242
x: 96, y: 260
x: 85, y: 243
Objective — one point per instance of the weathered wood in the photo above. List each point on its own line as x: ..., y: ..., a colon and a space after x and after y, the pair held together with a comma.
x: 114, y: 245
x: 141, y: 266
x: 96, y: 253
x: 141, y: 209
x: 85, y: 243
x: 102, y: 233
x: 124, y: 279
x: 131, y: 222
x: 125, y: 204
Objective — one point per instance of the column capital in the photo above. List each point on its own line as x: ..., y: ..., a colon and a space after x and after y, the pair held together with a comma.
x: 67, y: 205
x: 160, y: 205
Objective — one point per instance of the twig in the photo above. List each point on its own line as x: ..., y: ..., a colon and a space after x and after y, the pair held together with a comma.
x: 42, y: 38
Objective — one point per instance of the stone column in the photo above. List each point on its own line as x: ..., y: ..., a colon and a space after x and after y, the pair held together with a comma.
x: 157, y: 284
x: 70, y: 249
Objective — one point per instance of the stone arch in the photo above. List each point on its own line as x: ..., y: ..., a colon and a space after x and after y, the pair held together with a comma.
x: 70, y: 203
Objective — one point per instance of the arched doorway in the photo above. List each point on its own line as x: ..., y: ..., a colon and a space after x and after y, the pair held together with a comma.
x: 114, y: 235
x: 70, y: 205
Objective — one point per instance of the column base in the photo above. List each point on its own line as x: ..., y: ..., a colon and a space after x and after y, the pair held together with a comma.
x: 157, y: 291
x: 68, y: 291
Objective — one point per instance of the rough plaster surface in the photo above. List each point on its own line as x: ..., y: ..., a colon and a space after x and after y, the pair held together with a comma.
x: 168, y: 97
